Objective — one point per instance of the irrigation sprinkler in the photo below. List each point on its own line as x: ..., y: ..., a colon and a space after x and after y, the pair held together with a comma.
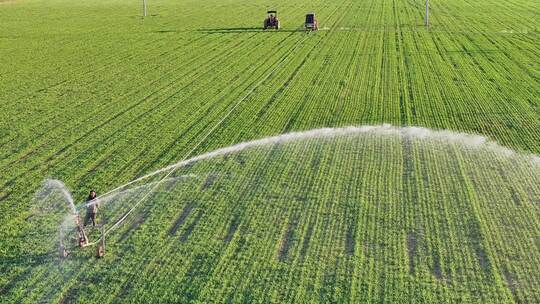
x: 144, y: 8
x: 426, y: 19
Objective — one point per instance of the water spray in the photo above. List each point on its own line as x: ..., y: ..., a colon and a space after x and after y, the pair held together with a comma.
x: 418, y: 133
x: 73, y: 217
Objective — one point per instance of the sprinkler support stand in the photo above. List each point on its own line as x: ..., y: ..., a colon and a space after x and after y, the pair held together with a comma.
x: 83, y: 239
x: 63, y: 251
x: 101, y: 244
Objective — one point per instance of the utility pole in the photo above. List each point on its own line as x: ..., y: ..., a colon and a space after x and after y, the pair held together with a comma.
x: 426, y: 20
x: 144, y: 8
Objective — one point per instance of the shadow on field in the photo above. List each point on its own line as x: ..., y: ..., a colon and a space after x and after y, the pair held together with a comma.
x: 165, y: 31
x: 244, y: 30
x: 28, y: 260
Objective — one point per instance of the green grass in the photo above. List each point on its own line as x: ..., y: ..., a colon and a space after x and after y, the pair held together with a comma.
x: 95, y: 96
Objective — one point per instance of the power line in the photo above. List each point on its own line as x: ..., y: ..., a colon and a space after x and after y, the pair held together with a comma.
x: 426, y: 19
x: 144, y: 8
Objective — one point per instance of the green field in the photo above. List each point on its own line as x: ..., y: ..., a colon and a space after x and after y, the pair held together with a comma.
x: 95, y: 96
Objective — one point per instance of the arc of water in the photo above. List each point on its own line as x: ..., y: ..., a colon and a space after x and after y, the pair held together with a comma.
x: 470, y: 140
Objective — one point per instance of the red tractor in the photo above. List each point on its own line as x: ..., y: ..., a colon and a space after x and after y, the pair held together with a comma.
x: 311, y: 22
x: 271, y: 21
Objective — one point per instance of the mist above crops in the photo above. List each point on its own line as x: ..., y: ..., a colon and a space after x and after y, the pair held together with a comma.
x: 406, y: 137
x: 94, y: 96
x: 329, y: 196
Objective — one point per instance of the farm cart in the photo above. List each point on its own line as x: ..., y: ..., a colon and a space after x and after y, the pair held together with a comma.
x: 271, y: 21
x: 311, y: 22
